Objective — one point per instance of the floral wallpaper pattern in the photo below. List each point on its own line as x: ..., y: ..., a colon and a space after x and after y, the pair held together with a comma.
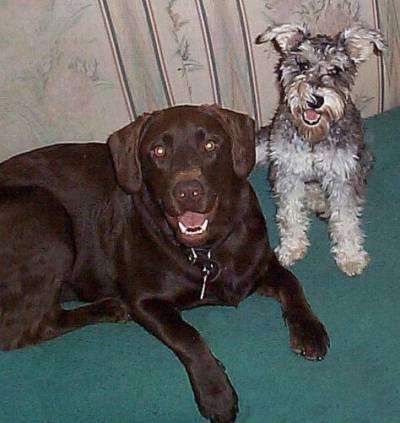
x: 75, y: 70
x: 57, y: 75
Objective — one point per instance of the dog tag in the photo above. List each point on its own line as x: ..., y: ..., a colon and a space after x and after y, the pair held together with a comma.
x: 203, y: 288
x: 209, y: 268
x: 209, y: 271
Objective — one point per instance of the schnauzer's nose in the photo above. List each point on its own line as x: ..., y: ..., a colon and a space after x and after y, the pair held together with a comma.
x: 188, y: 191
x: 317, y: 103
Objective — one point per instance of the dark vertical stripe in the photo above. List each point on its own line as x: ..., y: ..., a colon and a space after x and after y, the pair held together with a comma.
x: 207, y: 50
x: 112, y: 37
x: 381, y: 64
x: 210, y: 50
x: 249, y: 57
x: 158, y: 53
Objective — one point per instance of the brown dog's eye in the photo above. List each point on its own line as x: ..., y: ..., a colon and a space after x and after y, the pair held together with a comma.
x: 159, y: 151
x: 209, y: 146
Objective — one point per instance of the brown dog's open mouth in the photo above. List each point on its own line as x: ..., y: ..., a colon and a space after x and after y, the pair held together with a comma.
x: 192, y: 223
x: 192, y: 228
x: 311, y: 117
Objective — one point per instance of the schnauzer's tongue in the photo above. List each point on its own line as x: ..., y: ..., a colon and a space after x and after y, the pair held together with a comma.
x: 192, y: 219
x: 311, y: 115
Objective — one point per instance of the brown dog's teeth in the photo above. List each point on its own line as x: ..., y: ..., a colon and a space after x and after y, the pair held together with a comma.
x: 193, y: 230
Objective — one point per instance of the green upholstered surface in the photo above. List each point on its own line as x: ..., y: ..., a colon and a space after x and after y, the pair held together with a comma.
x: 118, y: 373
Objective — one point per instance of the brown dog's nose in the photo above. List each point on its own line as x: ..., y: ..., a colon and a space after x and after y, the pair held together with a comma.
x: 188, y: 191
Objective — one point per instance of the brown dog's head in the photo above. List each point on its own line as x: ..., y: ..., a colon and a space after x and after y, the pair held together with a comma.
x: 193, y: 161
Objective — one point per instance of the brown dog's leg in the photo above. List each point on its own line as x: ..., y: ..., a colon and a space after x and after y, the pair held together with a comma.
x: 212, y: 389
x: 36, y: 257
x: 308, y: 336
x: 104, y: 310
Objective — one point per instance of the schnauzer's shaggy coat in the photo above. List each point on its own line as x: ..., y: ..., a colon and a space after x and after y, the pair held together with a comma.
x: 315, y: 148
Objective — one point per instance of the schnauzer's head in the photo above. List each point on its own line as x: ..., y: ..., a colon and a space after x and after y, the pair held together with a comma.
x: 317, y: 73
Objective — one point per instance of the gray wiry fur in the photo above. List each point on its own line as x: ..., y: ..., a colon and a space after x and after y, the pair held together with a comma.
x: 314, y: 146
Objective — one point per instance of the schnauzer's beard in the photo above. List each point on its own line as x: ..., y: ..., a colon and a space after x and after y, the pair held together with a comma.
x: 298, y: 94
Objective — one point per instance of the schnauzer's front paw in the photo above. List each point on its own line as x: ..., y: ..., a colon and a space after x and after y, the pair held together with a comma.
x: 308, y: 336
x: 352, y: 263
x: 288, y: 254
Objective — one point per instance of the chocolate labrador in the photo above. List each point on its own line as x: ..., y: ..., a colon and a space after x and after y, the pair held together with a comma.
x: 158, y: 220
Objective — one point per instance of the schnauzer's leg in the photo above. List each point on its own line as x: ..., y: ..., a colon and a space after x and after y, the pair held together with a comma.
x: 292, y: 219
x: 346, y: 234
x: 262, y: 139
x: 316, y: 200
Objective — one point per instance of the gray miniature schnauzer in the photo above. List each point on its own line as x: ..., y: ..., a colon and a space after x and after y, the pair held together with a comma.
x: 314, y: 145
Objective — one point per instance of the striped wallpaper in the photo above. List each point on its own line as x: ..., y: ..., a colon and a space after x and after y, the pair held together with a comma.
x: 78, y: 70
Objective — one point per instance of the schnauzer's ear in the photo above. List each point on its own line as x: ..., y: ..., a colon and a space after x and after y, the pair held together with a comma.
x: 286, y: 36
x: 124, y: 148
x: 359, y: 42
x: 241, y: 129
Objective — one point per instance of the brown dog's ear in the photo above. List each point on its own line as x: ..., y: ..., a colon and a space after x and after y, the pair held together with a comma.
x: 241, y: 129
x: 359, y: 42
x: 124, y: 147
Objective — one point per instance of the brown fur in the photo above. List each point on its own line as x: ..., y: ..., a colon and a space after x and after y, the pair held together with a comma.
x: 97, y: 223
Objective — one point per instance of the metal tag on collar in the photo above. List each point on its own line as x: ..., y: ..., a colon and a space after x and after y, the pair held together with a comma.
x: 209, y: 268
x: 203, y: 287
x: 206, y: 271
x: 192, y: 256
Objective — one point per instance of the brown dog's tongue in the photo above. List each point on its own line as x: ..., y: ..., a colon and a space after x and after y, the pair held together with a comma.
x: 311, y: 115
x: 192, y: 219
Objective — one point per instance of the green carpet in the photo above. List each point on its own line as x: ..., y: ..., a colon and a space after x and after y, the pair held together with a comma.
x: 118, y: 373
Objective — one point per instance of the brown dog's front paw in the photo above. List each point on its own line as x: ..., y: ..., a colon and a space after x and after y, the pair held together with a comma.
x: 215, y: 396
x: 112, y: 310
x: 308, y: 336
x: 220, y: 406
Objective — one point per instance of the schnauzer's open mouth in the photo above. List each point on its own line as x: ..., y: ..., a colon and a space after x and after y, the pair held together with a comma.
x: 311, y: 117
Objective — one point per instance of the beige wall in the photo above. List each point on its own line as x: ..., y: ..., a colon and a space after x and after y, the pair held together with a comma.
x: 79, y: 69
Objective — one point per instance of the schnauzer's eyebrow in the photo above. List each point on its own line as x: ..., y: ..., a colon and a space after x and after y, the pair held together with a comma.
x: 305, y: 55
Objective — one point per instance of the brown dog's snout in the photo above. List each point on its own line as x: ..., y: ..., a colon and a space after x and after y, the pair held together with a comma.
x: 186, y: 192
